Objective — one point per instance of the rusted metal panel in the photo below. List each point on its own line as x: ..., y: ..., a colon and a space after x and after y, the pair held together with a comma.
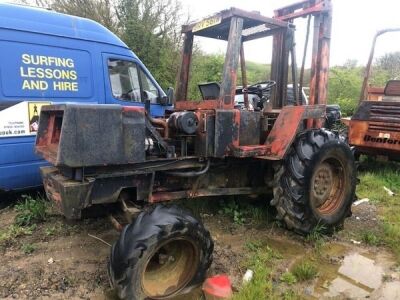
x: 70, y: 197
x: 229, y: 76
x: 227, y: 126
x: 183, y: 79
x: 244, y: 76
x: 197, y: 105
x: 378, y: 111
x: 305, y: 8
x: 249, y: 151
x: 375, y: 127
x: 204, y: 142
x: 77, y: 135
x: 284, y: 131
x: 377, y: 136
x: 249, y: 133
x: 322, y: 12
x: 375, y: 93
x: 168, y: 196
x: 47, y: 140
x: 392, y: 88
x: 279, y: 69
x: 286, y: 127
x: 251, y: 19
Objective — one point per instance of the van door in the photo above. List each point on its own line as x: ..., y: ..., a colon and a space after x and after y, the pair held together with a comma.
x: 128, y: 83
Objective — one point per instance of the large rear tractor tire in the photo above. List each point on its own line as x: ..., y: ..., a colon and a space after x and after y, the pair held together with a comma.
x: 162, y: 253
x: 315, y: 183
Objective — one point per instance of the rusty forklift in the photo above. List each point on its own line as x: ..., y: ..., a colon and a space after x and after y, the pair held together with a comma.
x: 279, y: 152
x: 374, y: 129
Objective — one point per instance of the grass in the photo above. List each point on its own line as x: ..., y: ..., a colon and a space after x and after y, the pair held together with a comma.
x: 372, y: 180
x: 28, y: 248
x: 288, y: 278
x: 233, y: 210
x: 316, y: 237
x: 369, y: 238
x: 304, y: 271
x: 31, y: 211
x: 290, y: 295
x: 262, y: 260
x: 240, y: 211
x: 260, y: 287
x: 10, y: 233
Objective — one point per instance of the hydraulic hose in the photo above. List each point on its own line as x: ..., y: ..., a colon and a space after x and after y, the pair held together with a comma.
x: 190, y: 173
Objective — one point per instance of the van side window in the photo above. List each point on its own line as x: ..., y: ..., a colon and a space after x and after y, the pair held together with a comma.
x: 124, y: 80
x: 150, y: 91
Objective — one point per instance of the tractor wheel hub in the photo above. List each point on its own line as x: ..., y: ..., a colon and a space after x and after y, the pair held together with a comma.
x: 322, y: 184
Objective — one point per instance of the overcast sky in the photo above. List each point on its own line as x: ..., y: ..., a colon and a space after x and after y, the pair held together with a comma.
x: 354, y: 24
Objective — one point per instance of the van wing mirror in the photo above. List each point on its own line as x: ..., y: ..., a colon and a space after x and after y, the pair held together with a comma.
x: 168, y: 99
x: 170, y: 95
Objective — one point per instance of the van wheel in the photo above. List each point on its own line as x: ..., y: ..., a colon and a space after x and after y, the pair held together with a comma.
x: 315, y: 184
x: 160, y: 254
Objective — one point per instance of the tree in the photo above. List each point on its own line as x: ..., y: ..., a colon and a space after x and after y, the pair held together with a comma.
x: 344, y: 82
x: 149, y: 28
x: 345, y: 86
x: 204, y: 68
x: 390, y: 63
x: 101, y: 11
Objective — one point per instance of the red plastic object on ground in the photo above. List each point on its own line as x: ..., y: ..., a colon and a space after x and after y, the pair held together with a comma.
x: 217, y: 287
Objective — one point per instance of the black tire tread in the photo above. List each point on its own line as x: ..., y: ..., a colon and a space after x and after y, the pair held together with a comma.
x: 148, y: 229
x: 289, y: 180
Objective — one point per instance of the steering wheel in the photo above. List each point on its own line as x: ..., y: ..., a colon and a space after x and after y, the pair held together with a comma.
x: 260, y: 88
x: 126, y: 95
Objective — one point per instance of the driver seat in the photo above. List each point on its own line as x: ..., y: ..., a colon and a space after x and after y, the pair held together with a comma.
x: 209, y: 90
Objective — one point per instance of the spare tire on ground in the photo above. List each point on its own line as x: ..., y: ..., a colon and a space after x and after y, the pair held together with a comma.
x: 163, y: 252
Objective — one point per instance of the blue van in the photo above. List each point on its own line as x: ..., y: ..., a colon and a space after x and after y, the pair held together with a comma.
x: 49, y: 57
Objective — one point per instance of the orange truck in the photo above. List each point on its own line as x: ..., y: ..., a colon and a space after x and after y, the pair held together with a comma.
x: 374, y: 129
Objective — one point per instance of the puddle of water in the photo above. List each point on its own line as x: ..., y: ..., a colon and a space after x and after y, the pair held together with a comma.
x: 362, y: 270
x: 389, y: 290
x: 286, y: 248
x: 348, y: 274
x: 340, y: 287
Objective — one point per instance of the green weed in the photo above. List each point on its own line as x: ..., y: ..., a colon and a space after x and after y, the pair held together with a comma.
x: 254, y: 245
x: 316, y: 234
x: 50, y: 230
x: 9, y: 234
x: 288, y: 278
x: 31, y: 211
x: 28, y: 248
x: 233, y: 210
x: 316, y: 237
x: 369, y: 238
x: 290, y: 295
x: 305, y: 270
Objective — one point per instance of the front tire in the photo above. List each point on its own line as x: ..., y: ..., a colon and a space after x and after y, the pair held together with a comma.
x: 315, y: 184
x: 162, y: 253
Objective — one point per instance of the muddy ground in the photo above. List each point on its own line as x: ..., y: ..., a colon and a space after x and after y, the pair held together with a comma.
x: 60, y: 260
